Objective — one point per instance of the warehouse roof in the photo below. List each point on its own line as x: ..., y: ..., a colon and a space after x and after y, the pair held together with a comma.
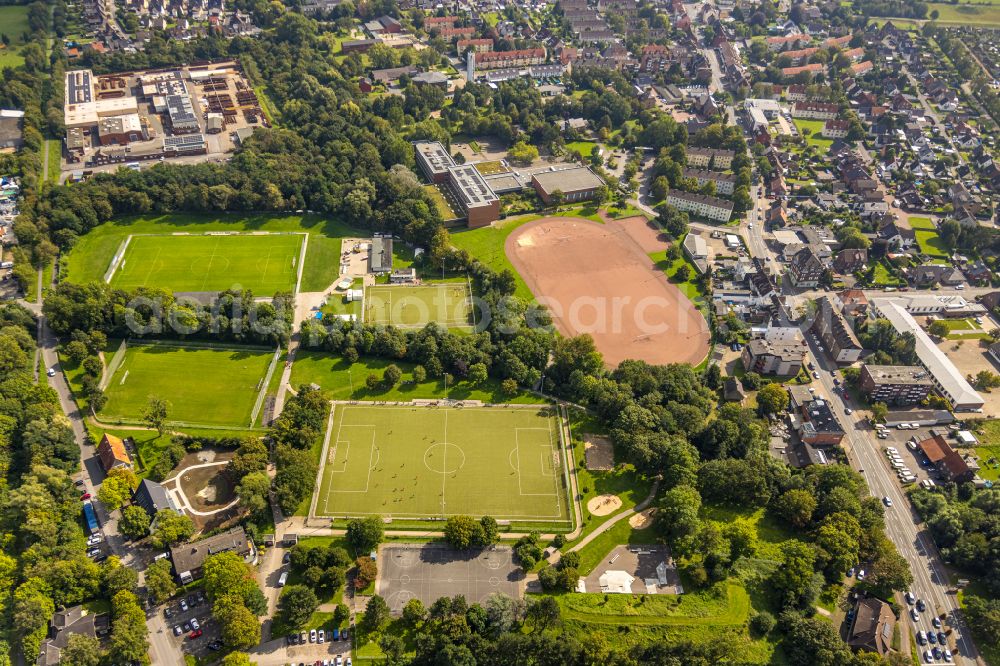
x: 568, y: 180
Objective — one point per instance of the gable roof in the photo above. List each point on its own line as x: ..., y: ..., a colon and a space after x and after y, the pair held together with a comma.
x: 152, y: 497
x: 112, y: 452
x: 872, y: 626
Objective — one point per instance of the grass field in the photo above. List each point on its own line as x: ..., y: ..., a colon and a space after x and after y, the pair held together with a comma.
x: 927, y: 237
x: 965, y: 14
x: 416, y: 306
x: 815, y: 137
x: 430, y: 462
x: 961, y: 324
x: 213, y: 386
x: 345, y: 381
x: 13, y: 23
x: 54, y: 149
x: 92, y: 253
x: 265, y: 264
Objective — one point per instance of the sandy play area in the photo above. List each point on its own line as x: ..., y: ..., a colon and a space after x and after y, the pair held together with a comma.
x: 602, y: 505
x: 598, y: 279
x: 642, y: 520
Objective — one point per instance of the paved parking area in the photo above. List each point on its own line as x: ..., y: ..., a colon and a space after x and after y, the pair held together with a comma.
x: 913, y: 459
x: 199, y: 610
x: 433, y: 571
x: 641, y: 563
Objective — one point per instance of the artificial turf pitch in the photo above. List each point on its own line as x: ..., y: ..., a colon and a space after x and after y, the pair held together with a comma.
x: 263, y: 263
x: 419, y: 463
x: 416, y: 306
x: 210, y: 386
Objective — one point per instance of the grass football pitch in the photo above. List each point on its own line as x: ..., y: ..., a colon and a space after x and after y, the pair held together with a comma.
x: 263, y: 264
x: 204, y: 385
x: 413, y: 462
x: 415, y: 306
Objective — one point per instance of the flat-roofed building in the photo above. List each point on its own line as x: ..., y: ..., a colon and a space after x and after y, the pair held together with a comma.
x: 433, y: 160
x: 947, y: 379
x: 895, y: 384
x: 724, y: 182
x: 120, y: 130
x: 380, y: 255
x: 480, y: 204
x: 576, y: 184
x: 701, y: 205
x: 188, y: 144
x: 773, y: 358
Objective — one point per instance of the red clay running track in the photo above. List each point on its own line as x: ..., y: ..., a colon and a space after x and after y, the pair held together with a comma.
x: 598, y: 279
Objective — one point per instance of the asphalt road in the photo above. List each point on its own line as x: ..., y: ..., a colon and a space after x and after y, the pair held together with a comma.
x: 903, y: 526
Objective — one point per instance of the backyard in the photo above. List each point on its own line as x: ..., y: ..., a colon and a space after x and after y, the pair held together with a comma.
x: 927, y: 237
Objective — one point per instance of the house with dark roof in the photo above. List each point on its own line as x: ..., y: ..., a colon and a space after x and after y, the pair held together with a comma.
x: 896, y: 236
x: 189, y: 558
x: 68, y: 622
x: 872, y: 627
x: 152, y: 497
x: 850, y: 260
x: 112, y: 452
x: 836, y: 333
x: 805, y: 269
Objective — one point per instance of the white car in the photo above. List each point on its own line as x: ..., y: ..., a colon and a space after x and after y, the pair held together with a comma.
x: 909, y: 597
x: 861, y: 574
x: 51, y: 372
x: 887, y: 500
x: 194, y: 624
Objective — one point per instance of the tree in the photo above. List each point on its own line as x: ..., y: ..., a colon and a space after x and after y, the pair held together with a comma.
x: 366, y: 570
x: 771, y: 399
x: 253, y: 492
x: 414, y: 612
x: 796, y: 506
x: 813, y: 642
x: 392, y: 375
x: 463, y: 532
x: 794, y: 577
x: 419, y: 374
x: 129, y: 642
x: 879, y: 412
x: 376, y: 614
x: 134, y: 522
x: 983, y: 616
x: 523, y: 153
x: 490, y: 531
x: 155, y: 414
x: 986, y: 380
x: 544, y: 613
x: 683, y: 273
x: 238, y: 659
x: 160, y: 581
x: 889, y: 572
x: 341, y: 614
x: 509, y: 387
x: 556, y: 198
x: 658, y: 188
x: 478, y: 374
x: 116, y: 577
x: 939, y: 328
x: 81, y: 650
x: 296, y: 605
x: 117, y: 487
x: 239, y: 627
x: 365, y: 534
x: 677, y: 516
x: 76, y: 351
x: 171, y: 528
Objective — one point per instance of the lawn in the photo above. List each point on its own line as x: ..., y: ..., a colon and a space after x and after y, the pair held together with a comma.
x: 961, y: 324
x: 416, y: 306
x: 487, y: 245
x: 91, y: 255
x: 927, y: 237
x: 204, y: 385
x: 432, y: 462
x: 54, y: 148
x: 965, y: 14
x: 585, y: 148
x: 883, y: 278
x: 619, y: 534
x: 725, y: 603
x: 688, y: 287
x: 13, y: 24
x: 344, y: 381
x: 264, y: 264
x: 815, y: 137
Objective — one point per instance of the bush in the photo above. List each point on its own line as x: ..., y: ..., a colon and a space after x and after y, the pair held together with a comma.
x: 762, y: 623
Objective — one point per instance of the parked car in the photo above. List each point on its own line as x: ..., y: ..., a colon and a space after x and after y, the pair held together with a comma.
x: 195, y: 634
x: 321, y: 636
x: 84, y: 497
x: 947, y: 656
x: 178, y: 630
x: 312, y: 635
x: 184, y: 605
x: 909, y: 597
x: 861, y: 574
x: 194, y: 623
x: 931, y: 637
x: 936, y: 622
x: 215, y: 645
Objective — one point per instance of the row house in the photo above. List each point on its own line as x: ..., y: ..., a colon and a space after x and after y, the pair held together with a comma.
x: 505, y: 59
x: 815, y: 68
x: 815, y: 110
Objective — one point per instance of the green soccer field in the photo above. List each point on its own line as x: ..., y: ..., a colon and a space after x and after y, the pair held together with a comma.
x: 210, y: 386
x: 264, y: 263
x: 418, y: 463
x: 416, y: 306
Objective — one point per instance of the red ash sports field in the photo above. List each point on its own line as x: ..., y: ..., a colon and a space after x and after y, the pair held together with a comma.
x: 579, y: 268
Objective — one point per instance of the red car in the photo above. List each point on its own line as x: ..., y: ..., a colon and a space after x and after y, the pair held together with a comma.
x: 84, y: 497
x: 195, y: 634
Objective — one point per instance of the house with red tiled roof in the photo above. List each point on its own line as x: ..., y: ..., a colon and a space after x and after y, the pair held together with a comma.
x: 112, y: 452
x: 946, y: 460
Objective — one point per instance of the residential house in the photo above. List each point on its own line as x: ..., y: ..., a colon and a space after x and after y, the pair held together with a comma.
x: 813, y: 419
x: 872, y: 628
x: 946, y: 461
x: 67, y: 622
x: 850, y: 260
x: 189, y: 558
x: 112, y: 452
x: 152, y: 497
x: 897, y: 237
x: 805, y: 269
x: 773, y: 358
x: 836, y: 333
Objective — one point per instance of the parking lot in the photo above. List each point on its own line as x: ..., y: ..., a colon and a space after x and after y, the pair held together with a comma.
x: 189, y: 619
x: 912, y: 458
